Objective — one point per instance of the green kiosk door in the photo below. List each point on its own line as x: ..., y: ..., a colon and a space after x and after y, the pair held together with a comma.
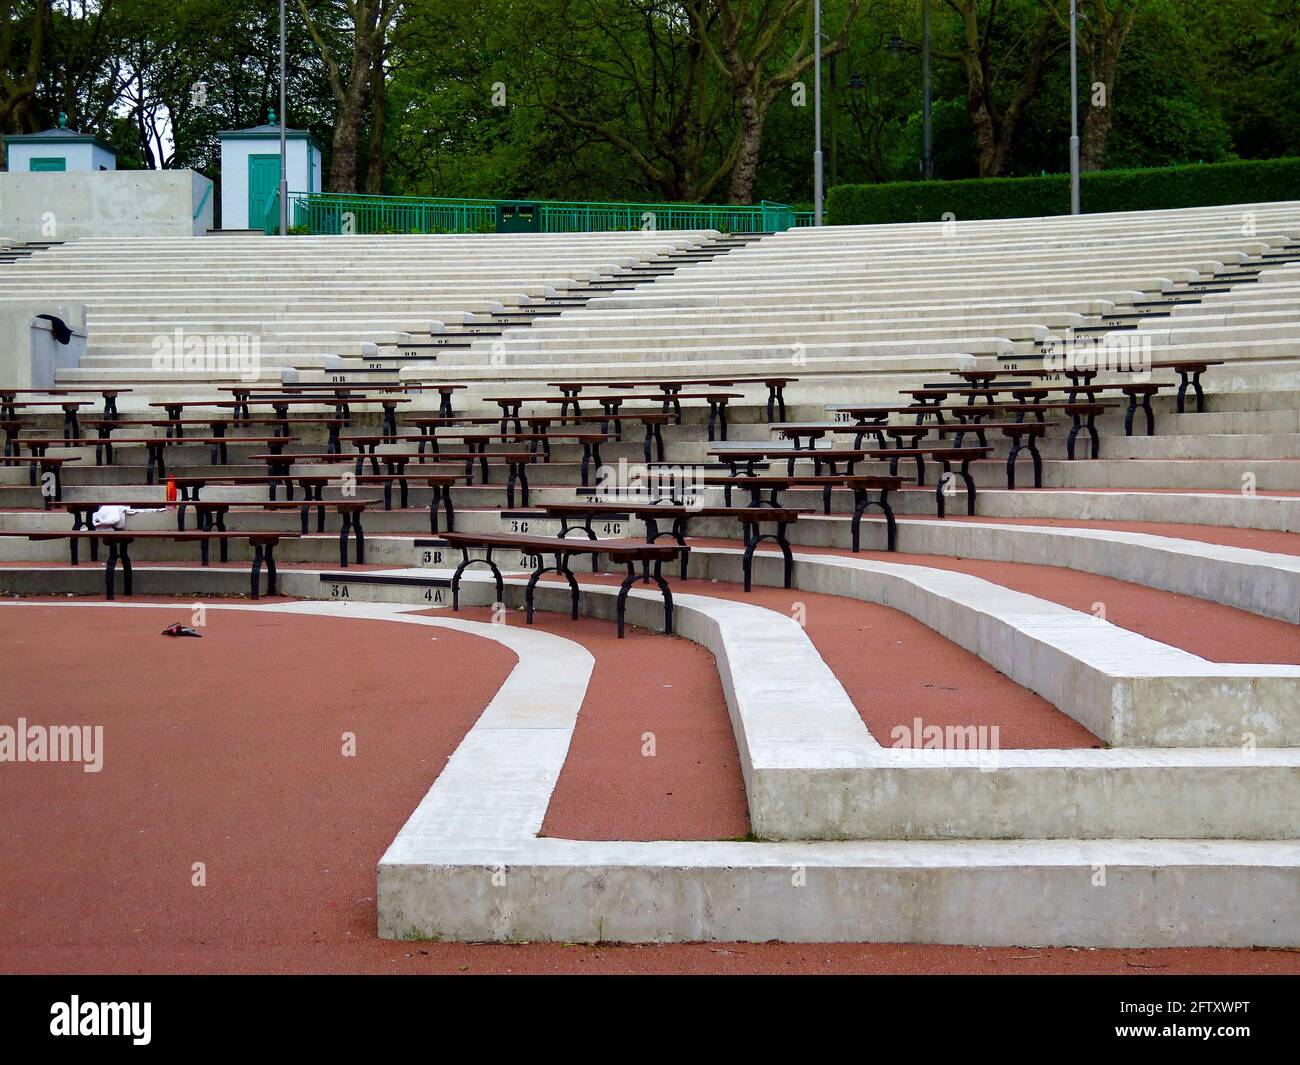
x: 263, y: 182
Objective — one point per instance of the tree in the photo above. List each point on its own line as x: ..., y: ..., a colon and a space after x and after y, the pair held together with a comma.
x: 1016, y: 50
x: 20, y: 67
x: 750, y: 36
x: 364, y: 25
x: 1101, y: 35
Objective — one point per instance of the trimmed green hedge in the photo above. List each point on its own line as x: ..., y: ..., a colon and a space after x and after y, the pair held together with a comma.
x: 1208, y: 185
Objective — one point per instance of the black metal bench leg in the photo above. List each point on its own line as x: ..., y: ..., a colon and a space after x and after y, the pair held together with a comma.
x: 256, y: 572
x: 124, y: 556
x: 1128, y: 415
x: 623, y: 589
x: 668, y: 597
x: 891, y: 524
x: 110, y: 568
x: 784, y: 544
x: 747, y: 560
x: 562, y: 566
x: 1011, y: 464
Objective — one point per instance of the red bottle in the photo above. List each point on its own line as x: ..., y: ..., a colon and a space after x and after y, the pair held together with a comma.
x: 171, y: 490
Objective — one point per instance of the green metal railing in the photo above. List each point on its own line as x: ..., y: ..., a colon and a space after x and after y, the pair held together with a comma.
x: 333, y: 213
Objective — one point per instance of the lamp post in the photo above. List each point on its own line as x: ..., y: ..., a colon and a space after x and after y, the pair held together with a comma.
x: 1074, y: 107
x: 897, y: 46
x: 284, y: 178
x: 817, y: 112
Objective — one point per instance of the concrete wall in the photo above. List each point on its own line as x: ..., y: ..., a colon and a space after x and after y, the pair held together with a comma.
x: 119, y: 203
x: 29, y: 354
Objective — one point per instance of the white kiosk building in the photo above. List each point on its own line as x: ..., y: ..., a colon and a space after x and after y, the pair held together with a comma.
x: 250, y: 170
x: 58, y: 150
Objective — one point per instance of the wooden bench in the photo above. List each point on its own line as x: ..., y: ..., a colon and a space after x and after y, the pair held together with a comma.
x: 217, y: 426
x: 944, y: 454
x: 241, y: 409
x: 653, y: 421
x: 70, y: 407
x: 340, y: 390
x: 211, y: 514
x: 669, y: 386
x: 861, y: 485
x: 50, y: 466
x: 1139, y: 395
x: 109, y: 396
x: 535, y: 548
x: 751, y: 519
x: 612, y: 405
x: 280, y: 402
x: 155, y: 446
x: 396, y: 462
x: 313, y: 487
x: 868, y: 420
x: 1189, y: 373
x: 119, y: 542
x: 538, y: 444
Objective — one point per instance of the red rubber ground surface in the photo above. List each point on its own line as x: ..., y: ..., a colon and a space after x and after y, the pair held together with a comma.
x: 98, y: 866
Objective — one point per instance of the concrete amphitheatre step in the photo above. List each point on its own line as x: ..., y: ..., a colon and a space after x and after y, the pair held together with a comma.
x: 1259, y: 582
x: 787, y: 351
x: 485, y: 811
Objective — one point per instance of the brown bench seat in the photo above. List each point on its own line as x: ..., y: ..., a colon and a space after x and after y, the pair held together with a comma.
x: 861, y: 485
x: 651, y: 514
x: 536, y: 548
x: 156, y: 446
x: 119, y: 542
x: 396, y: 462
x: 211, y: 514
x: 51, y: 471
